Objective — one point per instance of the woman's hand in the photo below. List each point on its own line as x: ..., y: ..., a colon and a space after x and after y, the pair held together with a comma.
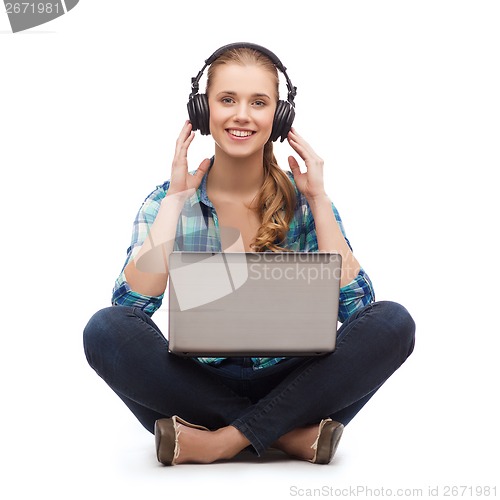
x: 180, y: 179
x: 310, y: 183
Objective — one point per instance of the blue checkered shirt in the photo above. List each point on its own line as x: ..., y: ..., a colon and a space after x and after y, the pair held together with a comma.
x: 197, y: 230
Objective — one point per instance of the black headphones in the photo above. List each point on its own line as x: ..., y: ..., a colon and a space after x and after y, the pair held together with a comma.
x: 199, y: 112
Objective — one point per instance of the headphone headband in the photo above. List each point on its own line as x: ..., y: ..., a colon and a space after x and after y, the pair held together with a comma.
x: 292, y: 91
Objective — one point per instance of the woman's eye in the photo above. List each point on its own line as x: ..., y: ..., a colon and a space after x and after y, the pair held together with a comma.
x: 260, y: 103
x: 226, y: 100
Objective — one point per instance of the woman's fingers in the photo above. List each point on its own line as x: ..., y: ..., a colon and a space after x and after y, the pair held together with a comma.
x: 200, y: 172
x: 180, y: 179
x: 185, y: 131
x: 302, y: 147
x: 184, y: 140
x: 299, y: 144
x: 301, y: 151
x: 294, y: 166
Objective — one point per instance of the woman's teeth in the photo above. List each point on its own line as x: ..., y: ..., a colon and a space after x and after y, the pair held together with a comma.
x: 240, y: 133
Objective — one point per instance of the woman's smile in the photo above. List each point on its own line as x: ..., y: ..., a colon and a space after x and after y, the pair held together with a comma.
x: 240, y: 134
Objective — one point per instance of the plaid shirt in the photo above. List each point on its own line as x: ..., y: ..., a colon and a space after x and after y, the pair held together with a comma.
x: 197, y: 230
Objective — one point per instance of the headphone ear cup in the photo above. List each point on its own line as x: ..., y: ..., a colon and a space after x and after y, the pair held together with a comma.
x: 283, y: 120
x: 199, y: 113
x: 192, y: 114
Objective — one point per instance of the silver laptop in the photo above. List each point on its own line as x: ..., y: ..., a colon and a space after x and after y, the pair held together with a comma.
x: 253, y: 303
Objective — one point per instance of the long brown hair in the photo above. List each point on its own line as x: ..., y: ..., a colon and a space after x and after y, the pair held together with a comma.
x: 276, y: 199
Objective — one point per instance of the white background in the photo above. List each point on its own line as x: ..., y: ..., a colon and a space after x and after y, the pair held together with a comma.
x: 400, y: 99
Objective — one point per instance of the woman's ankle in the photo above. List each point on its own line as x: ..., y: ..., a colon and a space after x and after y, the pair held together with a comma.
x: 298, y: 442
x: 230, y: 441
x: 204, y: 447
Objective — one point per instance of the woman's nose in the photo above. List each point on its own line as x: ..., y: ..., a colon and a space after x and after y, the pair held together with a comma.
x: 242, y: 112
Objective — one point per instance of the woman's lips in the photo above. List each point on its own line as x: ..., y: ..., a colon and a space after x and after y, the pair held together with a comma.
x: 239, y: 135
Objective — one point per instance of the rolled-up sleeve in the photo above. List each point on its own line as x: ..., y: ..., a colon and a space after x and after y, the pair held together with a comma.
x: 356, y: 294
x: 122, y: 294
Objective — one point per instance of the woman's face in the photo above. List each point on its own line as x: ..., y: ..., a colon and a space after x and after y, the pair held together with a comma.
x: 242, y: 101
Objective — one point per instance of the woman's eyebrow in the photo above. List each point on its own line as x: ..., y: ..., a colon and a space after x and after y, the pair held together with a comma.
x: 232, y: 92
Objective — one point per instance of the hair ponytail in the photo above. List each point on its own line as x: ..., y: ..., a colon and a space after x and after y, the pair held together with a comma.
x: 276, y: 204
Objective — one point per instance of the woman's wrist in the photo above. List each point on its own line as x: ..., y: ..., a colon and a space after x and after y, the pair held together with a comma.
x: 179, y: 195
x: 318, y: 200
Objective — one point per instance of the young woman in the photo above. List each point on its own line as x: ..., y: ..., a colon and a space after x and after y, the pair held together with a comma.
x: 206, y: 409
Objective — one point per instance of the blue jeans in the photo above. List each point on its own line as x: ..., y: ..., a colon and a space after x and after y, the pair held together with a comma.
x: 126, y: 348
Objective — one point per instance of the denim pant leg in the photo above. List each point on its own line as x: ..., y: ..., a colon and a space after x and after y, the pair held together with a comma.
x: 371, y: 345
x: 128, y: 351
x: 126, y: 348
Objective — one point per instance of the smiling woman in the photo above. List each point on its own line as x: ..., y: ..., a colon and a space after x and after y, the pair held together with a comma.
x: 298, y: 405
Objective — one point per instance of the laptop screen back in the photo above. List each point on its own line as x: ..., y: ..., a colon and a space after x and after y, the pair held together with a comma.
x: 253, y: 303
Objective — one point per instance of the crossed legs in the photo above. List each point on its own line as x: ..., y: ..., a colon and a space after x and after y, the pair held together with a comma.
x: 286, y: 402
